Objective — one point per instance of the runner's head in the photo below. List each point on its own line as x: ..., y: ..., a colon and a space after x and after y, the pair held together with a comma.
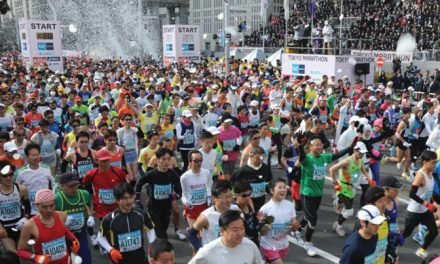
x: 153, y: 138
x: 391, y: 186
x: 7, y: 171
x: 256, y: 156
x: 375, y: 195
x: 207, y: 140
x: 278, y: 189
x: 32, y: 152
x: 110, y: 139
x: 221, y: 193
x: 429, y: 160
x: 163, y: 156
x: 196, y: 159
x: 232, y: 228
x: 370, y: 218
x: 162, y: 252
x: 242, y: 191
x: 69, y: 183
x: 45, y: 202
x: 124, y: 195
x: 104, y: 159
x: 316, y: 145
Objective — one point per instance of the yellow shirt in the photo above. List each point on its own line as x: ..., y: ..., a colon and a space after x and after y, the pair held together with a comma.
x: 167, y: 131
x: 382, y: 243
x: 146, y: 122
x: 145, y: 156
x: 310, y: 98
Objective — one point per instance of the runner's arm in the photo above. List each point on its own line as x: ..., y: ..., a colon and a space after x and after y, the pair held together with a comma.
x: 419, y: 181
x: 22, y: 247
x: 341, y: 153
x: 193, y: 238
x: 333, y: 169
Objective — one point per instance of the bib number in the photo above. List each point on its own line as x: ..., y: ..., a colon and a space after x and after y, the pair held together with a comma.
x: 130, y: 241
x: 106, y: 196
x: 57, y: 248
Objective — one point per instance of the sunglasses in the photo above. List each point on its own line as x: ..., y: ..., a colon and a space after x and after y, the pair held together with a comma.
x: 7, y: 175
x: 19, y: 135
x: 197, y: 161
x: 128, y: 119
x: 75, y: 126
x: 245, y: 195
x: 256, y: 138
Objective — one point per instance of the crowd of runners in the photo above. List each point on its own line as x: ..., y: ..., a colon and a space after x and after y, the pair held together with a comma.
x: 77, y: 149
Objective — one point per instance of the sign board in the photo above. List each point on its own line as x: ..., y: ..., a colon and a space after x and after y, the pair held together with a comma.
x: 389, y: 56
x: 380, y: 62
x: 41, y: 43
x: 316, y: 66
x: 181, y: 44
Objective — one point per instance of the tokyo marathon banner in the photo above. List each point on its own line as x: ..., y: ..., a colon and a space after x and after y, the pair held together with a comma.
x: 41, y: 43
x: 181, y: 44
x: 389, y: 56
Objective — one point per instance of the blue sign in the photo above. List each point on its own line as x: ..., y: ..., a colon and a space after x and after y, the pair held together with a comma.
x: 45, y: 45
x: 298, y: 69
x: 169, y: 47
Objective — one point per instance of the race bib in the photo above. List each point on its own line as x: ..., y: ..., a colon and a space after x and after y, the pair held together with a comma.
x: 168, y: 134
x: 198, y: 196
x: 319, y: 172
x: 162, y: 192
x: 57, y: 248
x: 116, y: 163
x: 356, y: 179
x: 188, y: 139
x: 258, y: 189
x: 9, y: 210
x: 106, y: 196
x: 83, y: 169
x: 77, y: 221
x: 229, y: 144
x: 244, y: 125
x: 279, y: 230
x: 323, y: 118
x: 130, y: 241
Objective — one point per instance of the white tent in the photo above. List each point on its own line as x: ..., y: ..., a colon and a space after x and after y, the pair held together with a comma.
x: 274, y: 57
x: 255, y: 54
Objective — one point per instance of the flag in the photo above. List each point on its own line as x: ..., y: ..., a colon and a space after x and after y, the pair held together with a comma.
x: 263, y: 9
x: 312, y: 8
x: 286, y: 10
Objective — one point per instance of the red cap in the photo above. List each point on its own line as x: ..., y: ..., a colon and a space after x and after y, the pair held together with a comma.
x: 102, y: 87
x: 78, y: 98
x: 103, y: 154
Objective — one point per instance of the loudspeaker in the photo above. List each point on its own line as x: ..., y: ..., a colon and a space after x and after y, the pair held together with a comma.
x: 362, y: 68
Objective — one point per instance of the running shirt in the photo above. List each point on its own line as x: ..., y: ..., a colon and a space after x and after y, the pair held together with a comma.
x: 350, y: 178
x: 254, y: 118
x: 47, y: 144
x: 52, y: 240
x: 75, y: 207
x: 145, y: 156
x: 196, y: 188
x: 382, y: 244
x: 10, y: 207
x: 83, y: 165
x: 125, y: 233
x: 128, y: 139
x: 425, y: 192
x: 283, y: 213
x: 213, y: 231
x: 313, y: 172
x: 35, y: 180
x: 116, y: 159
x: 209, y: 160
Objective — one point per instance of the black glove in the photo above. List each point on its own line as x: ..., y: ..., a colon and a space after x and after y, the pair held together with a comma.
x: 360, y: 129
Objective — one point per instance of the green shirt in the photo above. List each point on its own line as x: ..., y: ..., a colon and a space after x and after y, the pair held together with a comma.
x: 331, y: 103
x: 82, y: 109
x: 313, y: 172
x: 75, y: 207
x: 350, y: 177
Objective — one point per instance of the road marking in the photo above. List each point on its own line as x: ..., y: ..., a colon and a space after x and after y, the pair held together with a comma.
x: 403, y: 200
x: 320, y: 252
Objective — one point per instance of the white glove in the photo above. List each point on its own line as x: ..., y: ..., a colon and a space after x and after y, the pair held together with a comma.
x: 19, y: 225
x: 91, y: 221
x: 406, y: 144
x: 289, y: 169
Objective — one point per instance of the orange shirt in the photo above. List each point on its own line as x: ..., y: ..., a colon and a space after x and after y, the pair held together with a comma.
x: 18, y: 163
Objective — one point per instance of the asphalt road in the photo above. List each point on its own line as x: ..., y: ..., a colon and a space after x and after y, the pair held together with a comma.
x: 324, y: 239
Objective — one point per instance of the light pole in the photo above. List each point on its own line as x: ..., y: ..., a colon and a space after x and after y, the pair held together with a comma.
x: 227, y: 40
x: 341, y: 17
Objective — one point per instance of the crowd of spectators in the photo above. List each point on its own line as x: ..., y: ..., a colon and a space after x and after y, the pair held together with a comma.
x: 372, y: 25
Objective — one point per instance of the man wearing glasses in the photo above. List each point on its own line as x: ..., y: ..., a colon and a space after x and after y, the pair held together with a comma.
x: 257, y: 174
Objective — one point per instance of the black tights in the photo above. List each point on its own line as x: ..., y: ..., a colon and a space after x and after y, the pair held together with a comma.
x: 427, y: 219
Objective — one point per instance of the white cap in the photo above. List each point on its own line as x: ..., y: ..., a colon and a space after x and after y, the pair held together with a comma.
x: 372, y: 98
x: 149, y: 104
x: 254, y: 103
x: 370, y: 88
x: 10, y: 146
x: 275, y: 106
x: 254, y: 85
x: 213, y: 130
x: 2, y: 105
x: 371, y: 214
x: 361, y: 147
x: 353, y: 119
x: 410, y: 89
x: 187, y: 113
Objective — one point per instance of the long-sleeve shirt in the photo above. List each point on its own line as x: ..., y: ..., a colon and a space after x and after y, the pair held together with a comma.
x: 430, y: 122
x: 196, y: 187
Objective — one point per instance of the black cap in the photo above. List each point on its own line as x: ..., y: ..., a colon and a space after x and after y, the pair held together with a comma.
x: 373, y: 194
x: 391, y: 182
x: 306, y: 116
x: 185, y: 97
x: 69, y: 178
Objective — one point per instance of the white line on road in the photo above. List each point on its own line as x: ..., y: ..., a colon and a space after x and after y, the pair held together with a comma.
x: 320, y: 252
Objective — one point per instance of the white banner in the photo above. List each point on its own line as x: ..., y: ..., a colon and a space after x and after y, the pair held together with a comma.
x: 41, y: 43
x: 316, y: 66
x: 181, y: 43
x: 389, y: 56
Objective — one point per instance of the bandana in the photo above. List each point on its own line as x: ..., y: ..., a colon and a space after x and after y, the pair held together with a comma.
x: 43, y: 196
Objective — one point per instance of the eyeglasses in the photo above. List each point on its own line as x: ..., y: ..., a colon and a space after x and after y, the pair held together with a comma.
x: 197, y: 161
x: 245, y: 195
x: 128, y: 119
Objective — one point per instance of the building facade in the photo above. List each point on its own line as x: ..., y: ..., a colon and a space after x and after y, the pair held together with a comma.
x: 205, y: 14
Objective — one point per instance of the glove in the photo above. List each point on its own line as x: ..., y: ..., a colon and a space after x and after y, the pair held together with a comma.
x: 91, y: 221
x: 115, y: 255
x: 431, y: 207
x: 21, y: 223
x: 42, y: 259
x: 289, y: 170
x: 75, y: 246
x: 371, y: 182
x: 337, y: 187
